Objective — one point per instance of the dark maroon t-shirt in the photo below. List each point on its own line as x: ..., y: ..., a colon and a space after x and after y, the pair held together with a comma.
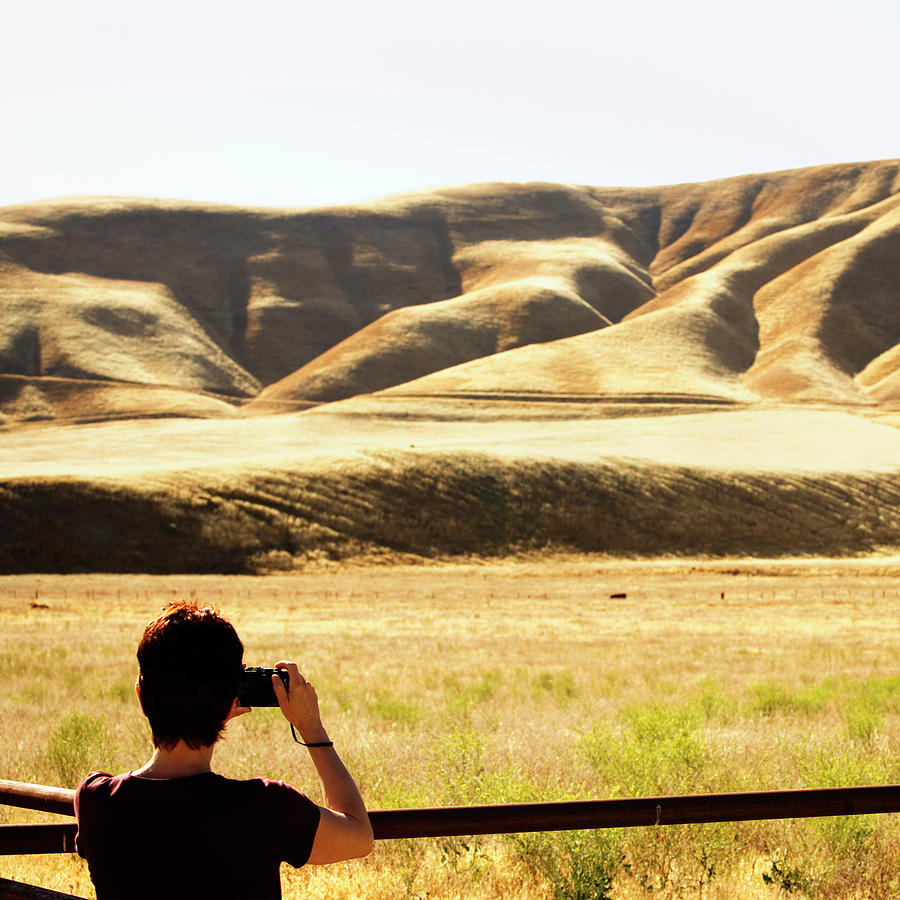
x: 195, y: 837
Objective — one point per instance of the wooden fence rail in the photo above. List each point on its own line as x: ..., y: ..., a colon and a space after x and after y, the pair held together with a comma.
x: 502, y: 819
x: 13, y: 890
x: 37, y: 796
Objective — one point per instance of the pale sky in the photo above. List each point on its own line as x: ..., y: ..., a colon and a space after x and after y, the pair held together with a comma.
x: 282, y: 103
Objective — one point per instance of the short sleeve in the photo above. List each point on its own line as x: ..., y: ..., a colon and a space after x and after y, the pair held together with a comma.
x: 84, y: 815
x: 291, y: 819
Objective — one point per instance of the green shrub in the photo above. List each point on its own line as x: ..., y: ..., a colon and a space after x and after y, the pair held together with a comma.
x: 579, y: 865
x: 882, y: 693
x: 863, y: 718
x: 657, y: 750
x: 771, y: 697
x: 79, y: 745
x: 787, y: 880
x: 711, y: 703
x: 465, y: 695
x: 457, y: 765
x: 560, y: 686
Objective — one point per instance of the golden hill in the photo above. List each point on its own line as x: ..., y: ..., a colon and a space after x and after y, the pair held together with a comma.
x: 706, y: 368
x: 758, y: 288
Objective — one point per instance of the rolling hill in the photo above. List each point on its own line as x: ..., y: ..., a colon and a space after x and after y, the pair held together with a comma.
x: 700, y: 368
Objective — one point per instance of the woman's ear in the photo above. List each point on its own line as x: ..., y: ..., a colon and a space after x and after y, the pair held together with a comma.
x: 137, y: 690
x: 237, y: 710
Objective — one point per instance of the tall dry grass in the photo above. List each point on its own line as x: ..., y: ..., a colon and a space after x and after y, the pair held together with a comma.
x: 407, y: 505
x: 526, y: 681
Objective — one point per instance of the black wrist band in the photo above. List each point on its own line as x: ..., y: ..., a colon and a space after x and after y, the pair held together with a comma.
x: 318, y: 744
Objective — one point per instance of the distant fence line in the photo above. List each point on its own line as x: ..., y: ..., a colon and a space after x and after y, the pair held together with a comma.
x: 495, y: 819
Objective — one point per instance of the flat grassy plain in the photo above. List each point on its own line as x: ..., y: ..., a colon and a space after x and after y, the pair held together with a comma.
x: 520, y: 680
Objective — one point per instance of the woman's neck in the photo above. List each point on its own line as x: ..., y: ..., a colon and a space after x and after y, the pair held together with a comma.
x: 177, y: 762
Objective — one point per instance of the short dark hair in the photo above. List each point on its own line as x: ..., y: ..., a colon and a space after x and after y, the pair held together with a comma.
x: 190, y: 660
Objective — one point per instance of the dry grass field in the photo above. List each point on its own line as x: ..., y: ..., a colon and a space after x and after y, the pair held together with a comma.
x: 520, y: 680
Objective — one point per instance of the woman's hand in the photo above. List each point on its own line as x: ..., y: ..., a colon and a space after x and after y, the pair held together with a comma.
x: 299, y: 704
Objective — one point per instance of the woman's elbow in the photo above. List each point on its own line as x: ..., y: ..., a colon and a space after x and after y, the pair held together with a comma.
x: 341, y: 837
x: 366, y: 839
x: 358, y: 843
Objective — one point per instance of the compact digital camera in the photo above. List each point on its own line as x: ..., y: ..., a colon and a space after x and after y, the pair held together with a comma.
x: 256, y: 686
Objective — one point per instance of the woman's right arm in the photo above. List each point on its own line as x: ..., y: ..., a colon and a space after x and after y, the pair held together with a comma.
x: 344, y: 830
